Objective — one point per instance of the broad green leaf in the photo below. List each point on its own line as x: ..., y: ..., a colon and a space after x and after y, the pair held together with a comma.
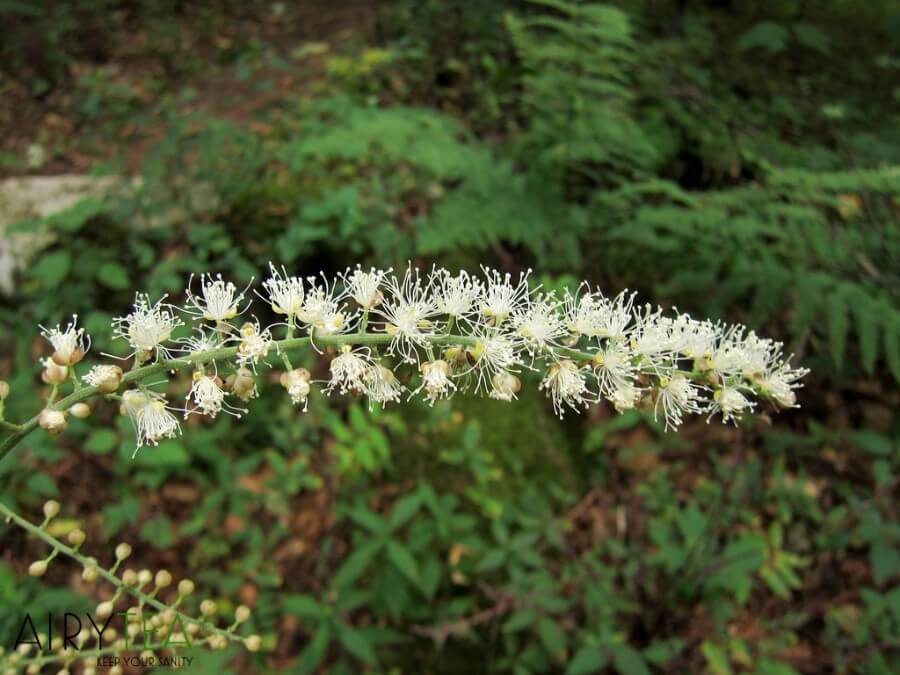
x: 885, y: 562
x: 716, y: 658
x: 101, y: 441
x: 357, y: 644
x: 113, y: 275
x: 303, y: 605
x: 587, y: 660
x: 552, y: 637
x: 355, y: 564
x: 628, y: 661
x: 404, y: 561
x: 315, y: 651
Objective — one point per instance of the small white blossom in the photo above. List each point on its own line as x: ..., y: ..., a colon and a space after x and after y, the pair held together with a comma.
x: 408, y: 312
x: 348, y: 370
x: 567, y: 386
x: 209, y: 397
x: 105, y: 377
x: 436, y: 380
x: 614, y: 368
x: 455, y: 295
x: 501, y: 297
x: 254, y: 344
x: 284, y: 292
x: 365, y: 287
x: 148, y: 326
x: 540, y: 324
x: 780, y: 381
x: 381, y: 385
x: 505, y: 386
x: 150, y: 416
x: 624, y: 397
x: 218, y: 301
x: 322, y: 310
x: 731, y: 403
x: 676, y: 396
x: 69, y: 345
x: 296, y: 382
x: 200, y: 343
x: 493, y: 352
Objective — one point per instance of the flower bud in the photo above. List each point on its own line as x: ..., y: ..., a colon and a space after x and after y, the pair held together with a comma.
x: 51, y: 509
x: 185, y: 587
x: 145, y: 577
x: 80, y: 410
x: 123, y: 550
x: 242, y: 384
x: 241, y: 614
x: 218, y: 641
x: 163, y: 579
x: 129, y: 577
x: 67, y: 357
x: 76, y: 537
x: 207, y: 608
x: 54, y: 373
x: 104, y: 610
x: 253, y: 643
x: 506, y: 386
x: 89, y: 574
x: 4, y: 390
x: 38, y: 568
x: 52, y: 421
x: 106, y: 378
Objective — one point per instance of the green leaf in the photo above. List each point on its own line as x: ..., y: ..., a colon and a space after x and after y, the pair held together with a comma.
x: 52, y: 268
x: 303, y: 605
x: 404, y: 561
x: 586, y: 661
x: 838, y: 326
x: 768, y: 35
x: 357, y: 644
x: 158, y: 532
x: 885, y: 562
x: 867, y: 316
x: 629, y: 662
x: 101, y: 441
x: 355, y: 564
x: 113, y: 275
x: 405, y: 509
x: 716, y: 658
x: 872, y: 442
x: 892, y: 347
x: 552, y: 637
x: 166, y: 454
x: 315, y: 651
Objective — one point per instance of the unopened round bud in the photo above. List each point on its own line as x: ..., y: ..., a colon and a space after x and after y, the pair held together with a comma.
x: 129, y: 577
x: 106, y: 378
x: 218, y: 641
x: 4, y: 390
x: 89, y: 670
x: 68, y: 357
x: 123, y: 550
x: 38, y: 568
x: 110, y: 634
x: 52, y: 421
x: 89, y: 574
x: 51, y: 509
x: 115, y: 670
x: 76, y: 537
x: 163, y: 579
x: 54, y: 373
x: 56, y: 644
x: 104, y: 609
x: 506, y: 386
x: 185, y: 587
x: 242, y: 384
x: 207, y: 608
x: 242, y: 613
x: 80, y: 410
x: 253, y: 643
x: 145, y: 577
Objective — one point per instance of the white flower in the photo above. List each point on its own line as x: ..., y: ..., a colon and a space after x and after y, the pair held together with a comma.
x: 209, y: 397
x: 566, y: 385
x: 148, y: 326
x: 780, y: 381
x: 695, y: 339
x: 493, y: 352
x: 436, y: 380
x: 504, y: 386
x: 624, y: 397
x: 676, y: 396
x: 500, y: 297
x: 540, y: 324
x: 381, y: 385
x: 582, y: 312
x: 105, y: 377
x: 322, y: 310
x: 285, y: 293
x: 455, y: 295
x: 349, y: 369
x: 200, y: 343
x: 407, y: 312
x: 69, y: 345
x: 150, y: 416
x: 296, y: 382
x: 365, y: 287
x: 254, y: 344
x: 614, y: 368
x: 651, y: 338
x: 219, y: 300
x: 731, y: 402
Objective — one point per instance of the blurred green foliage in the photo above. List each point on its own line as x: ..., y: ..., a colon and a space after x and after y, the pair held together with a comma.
x: 740, y: 160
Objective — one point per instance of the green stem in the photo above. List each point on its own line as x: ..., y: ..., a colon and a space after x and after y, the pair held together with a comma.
x: 57, y: 545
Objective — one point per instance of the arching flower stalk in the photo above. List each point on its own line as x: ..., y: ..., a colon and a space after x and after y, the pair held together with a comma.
x: 450, y: 332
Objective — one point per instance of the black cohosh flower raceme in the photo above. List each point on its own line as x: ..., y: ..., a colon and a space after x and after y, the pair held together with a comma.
x: 430, y: 334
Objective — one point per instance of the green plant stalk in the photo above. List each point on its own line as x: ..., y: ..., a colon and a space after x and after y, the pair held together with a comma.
x: 20, y: 431
x: 83, y: 654
x: 145, y: 598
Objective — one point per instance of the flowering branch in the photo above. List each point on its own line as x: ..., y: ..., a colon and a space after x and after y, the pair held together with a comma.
x: 179, y: 628
x: 453, y: 332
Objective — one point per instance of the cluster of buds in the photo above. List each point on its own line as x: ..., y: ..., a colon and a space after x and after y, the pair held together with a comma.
x: 149, y: 602
x: 432, y: 334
